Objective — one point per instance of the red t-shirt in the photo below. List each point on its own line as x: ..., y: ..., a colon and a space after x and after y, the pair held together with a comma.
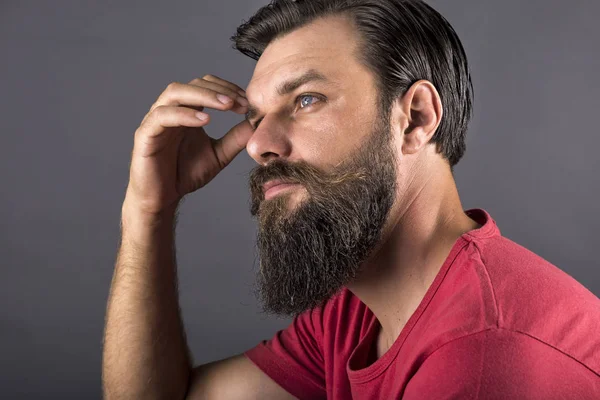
x: 498, y: 322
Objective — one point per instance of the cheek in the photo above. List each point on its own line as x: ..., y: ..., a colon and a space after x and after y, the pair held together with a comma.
x: 328, y: 141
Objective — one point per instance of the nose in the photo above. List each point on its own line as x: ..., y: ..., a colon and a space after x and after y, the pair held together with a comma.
x: 269, y: 141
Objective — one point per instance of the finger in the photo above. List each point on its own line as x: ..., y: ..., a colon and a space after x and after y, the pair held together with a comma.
x: 223, y: 82
x: 229, y: 146
x: 197, y: 108
x: 239, y: 100
x: 171, y: 116
x: 225, y: 89
x: 196, y: 96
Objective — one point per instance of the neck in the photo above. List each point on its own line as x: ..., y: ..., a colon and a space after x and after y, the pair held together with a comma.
x: 420, y: 235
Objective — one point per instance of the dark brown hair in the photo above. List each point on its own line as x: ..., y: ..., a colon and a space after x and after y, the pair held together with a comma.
x: 403, y: 41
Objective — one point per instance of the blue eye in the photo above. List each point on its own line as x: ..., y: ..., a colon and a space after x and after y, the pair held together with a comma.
x: 304, y: 103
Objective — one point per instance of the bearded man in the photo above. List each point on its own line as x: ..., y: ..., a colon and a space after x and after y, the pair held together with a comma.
x: 356, y: 114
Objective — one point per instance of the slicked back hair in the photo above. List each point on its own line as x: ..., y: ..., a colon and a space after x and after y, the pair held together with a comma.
x: 401, y: 42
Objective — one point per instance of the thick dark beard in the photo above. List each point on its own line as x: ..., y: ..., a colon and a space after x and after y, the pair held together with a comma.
x: 309, y: 254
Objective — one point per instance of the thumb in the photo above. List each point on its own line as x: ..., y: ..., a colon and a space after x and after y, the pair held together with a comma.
x: 234, y: 141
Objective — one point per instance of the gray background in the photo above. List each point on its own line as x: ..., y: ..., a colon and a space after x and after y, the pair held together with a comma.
x: 78, y: 77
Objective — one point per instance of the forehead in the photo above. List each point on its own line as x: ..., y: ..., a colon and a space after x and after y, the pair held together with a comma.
x: 327, y: 45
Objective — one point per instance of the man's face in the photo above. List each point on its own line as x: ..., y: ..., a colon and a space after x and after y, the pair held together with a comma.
x: 326, y: 135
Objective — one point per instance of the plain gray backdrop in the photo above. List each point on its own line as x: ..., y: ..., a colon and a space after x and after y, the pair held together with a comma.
x: 77, y: 79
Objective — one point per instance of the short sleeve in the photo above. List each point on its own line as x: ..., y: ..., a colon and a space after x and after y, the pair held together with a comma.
x: 501, y: 364
x: 293, y: 357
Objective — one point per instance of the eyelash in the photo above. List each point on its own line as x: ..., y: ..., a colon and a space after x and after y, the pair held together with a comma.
x: 308, y: 95
x: 299, y: 97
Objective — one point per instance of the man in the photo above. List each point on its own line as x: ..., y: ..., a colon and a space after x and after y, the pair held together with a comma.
x: 356, y: 114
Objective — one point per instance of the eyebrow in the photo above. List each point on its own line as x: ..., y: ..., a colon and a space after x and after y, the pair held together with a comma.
x: 289, y: 86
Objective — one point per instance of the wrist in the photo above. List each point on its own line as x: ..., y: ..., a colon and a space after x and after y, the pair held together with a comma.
x: 145, y: 211
x: 132, y: 210
x: 144, y: 227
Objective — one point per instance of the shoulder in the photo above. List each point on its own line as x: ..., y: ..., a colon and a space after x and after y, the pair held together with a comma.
x: 538, y: 300
x: 499, y: 363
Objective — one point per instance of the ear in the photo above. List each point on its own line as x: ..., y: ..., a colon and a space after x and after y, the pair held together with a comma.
x: 420, y: 115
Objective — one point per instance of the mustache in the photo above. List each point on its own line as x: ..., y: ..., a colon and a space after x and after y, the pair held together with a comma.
x: 302, y: 173
x: 293, y: 172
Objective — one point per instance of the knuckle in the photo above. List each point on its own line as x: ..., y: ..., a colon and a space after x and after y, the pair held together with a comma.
x: 140, y: 131
x: 208, y: 77
x: 159, y: 110
x: 158, y: 113
x: 153, y: 106
x: 172, y: 86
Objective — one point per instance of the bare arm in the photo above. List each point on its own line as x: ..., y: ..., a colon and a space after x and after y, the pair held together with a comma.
x: 145, y: 351
x: 233, y: 378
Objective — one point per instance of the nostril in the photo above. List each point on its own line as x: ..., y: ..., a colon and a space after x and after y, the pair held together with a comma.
x: 268, y: 155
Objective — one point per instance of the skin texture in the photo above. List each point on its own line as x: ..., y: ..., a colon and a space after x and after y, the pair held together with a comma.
x: 426, y: 217
x: 309, y: 251
x: 145, y: 349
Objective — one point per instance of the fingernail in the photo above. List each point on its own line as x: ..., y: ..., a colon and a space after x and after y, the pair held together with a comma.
x: 201, y: 116
x: 223, y: 99
x: 242, y: 101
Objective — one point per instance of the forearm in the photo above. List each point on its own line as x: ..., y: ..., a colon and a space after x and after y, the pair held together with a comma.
x: 145, y: 350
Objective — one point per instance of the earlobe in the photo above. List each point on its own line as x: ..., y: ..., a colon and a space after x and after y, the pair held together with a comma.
x: 422, y: 107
